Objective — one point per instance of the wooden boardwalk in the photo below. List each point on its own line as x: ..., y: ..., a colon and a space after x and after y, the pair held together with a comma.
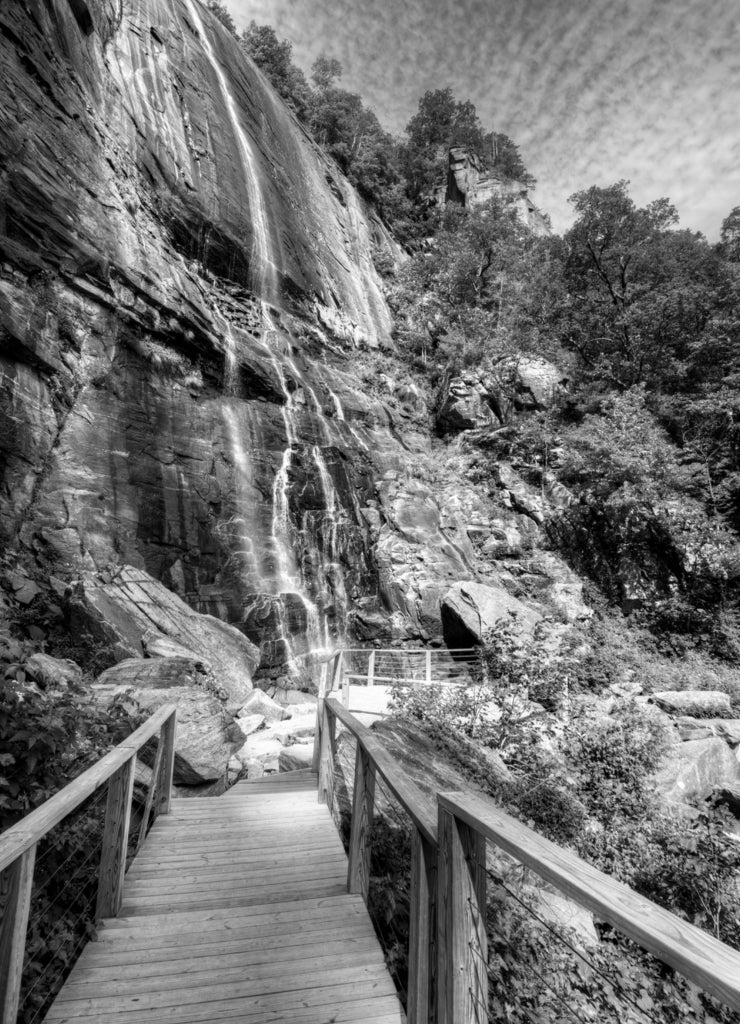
x: 236, y: 909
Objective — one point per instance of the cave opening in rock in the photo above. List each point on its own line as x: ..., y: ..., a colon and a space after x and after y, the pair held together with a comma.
x: 455, y: 632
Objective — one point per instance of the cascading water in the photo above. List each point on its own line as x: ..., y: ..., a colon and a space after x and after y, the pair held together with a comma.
x: 286, y: 584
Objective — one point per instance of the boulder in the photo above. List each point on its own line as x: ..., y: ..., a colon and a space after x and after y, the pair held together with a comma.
x: 537, y: 382
x: 701, y: 703
x: 48, y: 671
x: 695, y: 769
x: 296, y: 757
x: 728, y: 729
x: 250, y: 723
x: 259, y: 703
x: 470, y: 609
x: 207, y: 735
x: 137, y: 615
x: 294, y: 729
x: 463, y: 404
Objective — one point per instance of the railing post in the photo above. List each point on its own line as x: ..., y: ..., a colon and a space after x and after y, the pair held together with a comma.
x: 422, y: 928
x: 363, y: 802
x: 462, y: 946
x: 167, y: 767
x: 326, y: 758
x: 428, y: 666
x: 115, y: 840
x: 371, y: 669
x: 15, y: 900
x: 319, y: 716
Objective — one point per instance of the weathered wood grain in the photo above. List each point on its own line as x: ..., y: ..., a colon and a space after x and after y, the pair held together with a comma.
x: 701, y: 958
x: 15, y: 901
x: 363, y: 801
x: 115, y: 840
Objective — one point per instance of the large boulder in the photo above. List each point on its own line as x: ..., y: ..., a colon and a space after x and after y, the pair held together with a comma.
x: 207, y: 735
x: 463, y: 404
x: 695, y: 769
x: 54, y: 672
x: 701, y: 703
x: 137, y: 615
x: 470, y: 609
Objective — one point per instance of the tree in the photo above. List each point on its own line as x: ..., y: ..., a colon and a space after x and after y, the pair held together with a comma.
x: 325, y: 71
x: 222, y: 13
x: 642, y: 294
x: 502, y: 154
x: 439, y: 123
x: 730, y: 236
x: 274, y: 58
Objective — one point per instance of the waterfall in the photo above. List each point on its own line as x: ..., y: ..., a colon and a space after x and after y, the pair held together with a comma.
x: 287, y: 583
x: 262, y: 269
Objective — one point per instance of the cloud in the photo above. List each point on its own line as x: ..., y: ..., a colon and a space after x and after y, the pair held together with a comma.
x: 591, y: 90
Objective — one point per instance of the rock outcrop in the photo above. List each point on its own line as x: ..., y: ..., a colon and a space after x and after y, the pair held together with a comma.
x: 206, y: 735
x: 191, y: 378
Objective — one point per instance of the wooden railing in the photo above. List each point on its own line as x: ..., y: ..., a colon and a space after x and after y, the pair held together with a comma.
x: 448, y: 955
x: 18, y: 844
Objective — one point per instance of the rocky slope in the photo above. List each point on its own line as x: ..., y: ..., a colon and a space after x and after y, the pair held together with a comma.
x: 193, y: 376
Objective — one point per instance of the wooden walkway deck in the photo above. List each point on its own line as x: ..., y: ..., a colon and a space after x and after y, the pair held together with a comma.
x: 236, y: 909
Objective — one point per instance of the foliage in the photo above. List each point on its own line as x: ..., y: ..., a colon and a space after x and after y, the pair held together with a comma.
x: 507, y: 161
x: 222, y: 13
x: 274, y: 58
x: 47, y: 738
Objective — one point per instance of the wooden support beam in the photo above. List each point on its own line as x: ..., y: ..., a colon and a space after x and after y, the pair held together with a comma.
x: 462, y: 945
x: 167, y: 767
x: 115, y: 841
x: 363, y: 802
x: 15, y: 902
x: 326, y: 757
x: 422, y: 930
x: 154, y: 783
x: 323, y: 681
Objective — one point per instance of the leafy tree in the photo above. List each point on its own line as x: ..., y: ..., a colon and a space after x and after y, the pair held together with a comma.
x: 502, y: 154
x: 642, y: 296
x: 730, y: 236
x: 222, y: 13
x: 439, y: 123
x: 274, y: 58
x: 325, y: 71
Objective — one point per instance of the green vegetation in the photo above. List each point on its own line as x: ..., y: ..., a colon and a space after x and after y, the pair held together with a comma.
x: 582, y: 775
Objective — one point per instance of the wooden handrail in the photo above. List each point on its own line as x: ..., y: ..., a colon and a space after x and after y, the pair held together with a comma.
x: 29, y: 830
x: 701, y: 958
x: 18, y: 843
x: 448, y: 885
x: 420, y: 808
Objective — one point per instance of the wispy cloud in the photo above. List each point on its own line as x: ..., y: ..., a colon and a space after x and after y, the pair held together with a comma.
x: 591, y: 90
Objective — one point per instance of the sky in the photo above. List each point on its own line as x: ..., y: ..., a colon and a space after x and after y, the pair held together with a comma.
x: 590, y: 90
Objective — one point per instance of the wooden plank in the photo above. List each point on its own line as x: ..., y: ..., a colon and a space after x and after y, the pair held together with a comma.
x: 363, y: 801
x: 225, y: 865
x: 167, y: 745
x: 115, y: 840
x: 271, y: 982
x: 16, y: 883
x: 256, y: 1007
x: 462, y: 953
x: 208, y: 968
x: 284, y: 944
x: 147, y: 905
x: 702, y: 959
x: 35, y: 825
x: 289, y: 912
x: 241, y: 877
x: 420, y: 808
x: 422, y: 930
x: 152, y: 863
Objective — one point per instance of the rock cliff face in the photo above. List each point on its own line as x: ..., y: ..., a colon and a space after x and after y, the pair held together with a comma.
x: 191, y: 328
x: 469, y: 184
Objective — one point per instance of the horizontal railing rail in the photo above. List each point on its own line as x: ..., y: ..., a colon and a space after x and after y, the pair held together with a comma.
x: 448, y: 943
x: 18, y: 844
